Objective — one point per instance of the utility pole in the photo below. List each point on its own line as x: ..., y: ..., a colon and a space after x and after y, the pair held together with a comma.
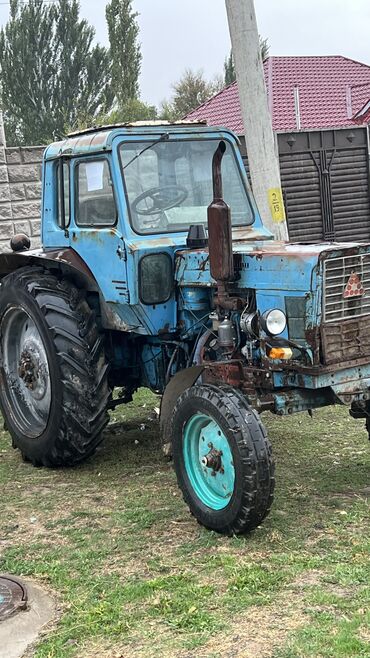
x: 259, y: 137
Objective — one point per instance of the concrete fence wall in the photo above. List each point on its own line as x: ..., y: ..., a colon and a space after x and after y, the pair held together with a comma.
x: 20, y: 192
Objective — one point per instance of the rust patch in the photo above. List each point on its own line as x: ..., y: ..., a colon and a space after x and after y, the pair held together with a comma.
x: 165, y: 329
x: 203, y: 263
x: 227, y: 372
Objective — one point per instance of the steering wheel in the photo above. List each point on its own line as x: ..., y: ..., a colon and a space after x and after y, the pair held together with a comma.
x: 162, y: 199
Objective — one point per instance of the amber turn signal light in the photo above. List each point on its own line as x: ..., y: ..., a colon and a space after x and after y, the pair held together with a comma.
x: 280, y: 353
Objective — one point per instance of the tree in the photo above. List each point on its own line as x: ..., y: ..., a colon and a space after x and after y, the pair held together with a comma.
x: 51, y: 73
x: 28, y: 70
x: 83, y: 83
x: 125, y: 52
x: 229, y: 69
x: 133, y: 110
x: 189, y: 92
x: 265, y: 48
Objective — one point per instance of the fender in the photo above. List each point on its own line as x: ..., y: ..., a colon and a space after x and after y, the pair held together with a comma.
x: 68, y: 263
x: 177, y: 385
x: 65, y: 260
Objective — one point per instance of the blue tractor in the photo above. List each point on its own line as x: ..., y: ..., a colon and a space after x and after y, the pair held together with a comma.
x: 156, y: 270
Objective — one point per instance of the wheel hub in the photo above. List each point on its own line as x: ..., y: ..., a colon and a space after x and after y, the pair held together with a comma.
x: 27, y: 369
x: 212, y: 460
x: 31, y: 371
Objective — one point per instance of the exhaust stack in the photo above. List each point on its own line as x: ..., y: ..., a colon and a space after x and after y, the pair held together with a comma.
x: 219, y: 226
x: 221, y: 259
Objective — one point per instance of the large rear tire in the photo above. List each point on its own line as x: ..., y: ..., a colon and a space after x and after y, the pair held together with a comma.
x: 53, y: 371
x: 222, y: 459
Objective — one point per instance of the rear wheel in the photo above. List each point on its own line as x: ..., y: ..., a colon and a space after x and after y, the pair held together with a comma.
x: 222, y: 459
x: 54, y: 389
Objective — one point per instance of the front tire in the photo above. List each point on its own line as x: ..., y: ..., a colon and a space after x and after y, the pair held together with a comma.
x: 222, y: 459
x: 53, y: 372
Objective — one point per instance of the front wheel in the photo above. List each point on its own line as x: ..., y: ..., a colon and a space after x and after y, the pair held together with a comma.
x: 222, y: 459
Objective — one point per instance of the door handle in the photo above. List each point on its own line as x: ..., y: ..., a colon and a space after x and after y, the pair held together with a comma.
x: 121, y: 252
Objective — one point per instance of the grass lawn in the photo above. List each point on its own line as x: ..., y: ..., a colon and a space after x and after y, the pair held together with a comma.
x: 135, y: 576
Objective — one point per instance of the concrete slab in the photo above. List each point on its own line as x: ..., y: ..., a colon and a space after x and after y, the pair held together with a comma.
x: 21, y: 630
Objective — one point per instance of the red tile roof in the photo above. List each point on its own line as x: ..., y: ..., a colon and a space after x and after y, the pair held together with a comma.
x: 332, y: 91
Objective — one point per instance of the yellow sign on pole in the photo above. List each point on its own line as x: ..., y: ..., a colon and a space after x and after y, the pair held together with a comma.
x: 276, y: 204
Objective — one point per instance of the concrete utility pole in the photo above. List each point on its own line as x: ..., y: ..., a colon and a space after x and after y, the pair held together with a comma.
x: 261, y: 147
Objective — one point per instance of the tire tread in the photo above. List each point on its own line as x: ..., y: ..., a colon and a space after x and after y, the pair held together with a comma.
x: 79, y: 350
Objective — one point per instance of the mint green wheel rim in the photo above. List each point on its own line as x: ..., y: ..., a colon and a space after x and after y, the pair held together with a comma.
x: 208, y: 461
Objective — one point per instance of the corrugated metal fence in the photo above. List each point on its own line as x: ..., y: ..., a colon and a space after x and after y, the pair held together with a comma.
x: 326, y: 184
x: 325, y: 181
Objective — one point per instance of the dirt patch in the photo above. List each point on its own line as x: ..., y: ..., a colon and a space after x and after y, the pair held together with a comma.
x: 316, y: 578
x: 308, y: 579
x: 258, y: 632
x: 364, y: 633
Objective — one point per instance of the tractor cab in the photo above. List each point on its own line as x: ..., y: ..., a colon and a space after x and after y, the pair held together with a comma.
x: 130, y: 196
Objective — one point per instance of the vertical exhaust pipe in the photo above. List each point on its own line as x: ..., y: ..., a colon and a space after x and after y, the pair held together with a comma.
x: 221, y: 260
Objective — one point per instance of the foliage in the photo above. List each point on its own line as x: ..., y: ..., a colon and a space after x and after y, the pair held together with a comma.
x: 27, y: 72
x: 265, y: 48
x: 133, y: 110
x: 189, y: 92
x: 51, y: 72
x: 125, y: 52
x: 229, y: 68
x: 83, y: 86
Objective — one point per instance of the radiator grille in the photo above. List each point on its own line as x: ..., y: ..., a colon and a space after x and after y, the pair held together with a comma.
x: 337, y: 272
x: 346, y: 341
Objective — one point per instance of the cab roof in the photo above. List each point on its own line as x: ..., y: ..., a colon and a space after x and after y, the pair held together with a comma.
x: 98, y: 139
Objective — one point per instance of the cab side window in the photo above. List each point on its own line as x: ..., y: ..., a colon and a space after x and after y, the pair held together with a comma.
x: 66, y: 192
x: 95, y: 197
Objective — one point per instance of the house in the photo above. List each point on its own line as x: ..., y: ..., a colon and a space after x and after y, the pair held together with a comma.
x: 320, y: 109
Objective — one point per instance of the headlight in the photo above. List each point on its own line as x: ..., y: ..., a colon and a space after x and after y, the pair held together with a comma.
x: 273, y: 322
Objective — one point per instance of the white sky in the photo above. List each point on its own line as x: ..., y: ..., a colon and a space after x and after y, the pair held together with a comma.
x: 193, y: 33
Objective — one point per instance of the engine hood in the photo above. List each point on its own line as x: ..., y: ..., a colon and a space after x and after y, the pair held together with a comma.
x: 266, y: 265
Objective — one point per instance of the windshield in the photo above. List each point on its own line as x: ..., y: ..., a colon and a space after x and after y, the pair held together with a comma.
x: 169, y: 185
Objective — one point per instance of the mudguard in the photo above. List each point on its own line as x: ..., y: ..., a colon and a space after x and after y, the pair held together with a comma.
x: 179, y: 383
x: 66, y: 260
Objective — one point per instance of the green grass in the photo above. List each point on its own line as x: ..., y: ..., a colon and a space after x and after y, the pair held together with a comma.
x: 134, y: 575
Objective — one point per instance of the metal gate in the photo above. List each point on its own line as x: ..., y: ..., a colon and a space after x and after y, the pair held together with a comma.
x: 326, y: 186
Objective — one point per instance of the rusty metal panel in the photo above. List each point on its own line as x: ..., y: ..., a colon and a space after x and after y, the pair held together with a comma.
x: 349, y: 339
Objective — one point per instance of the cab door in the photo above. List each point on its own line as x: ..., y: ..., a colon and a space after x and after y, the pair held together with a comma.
x: 95, y: 232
